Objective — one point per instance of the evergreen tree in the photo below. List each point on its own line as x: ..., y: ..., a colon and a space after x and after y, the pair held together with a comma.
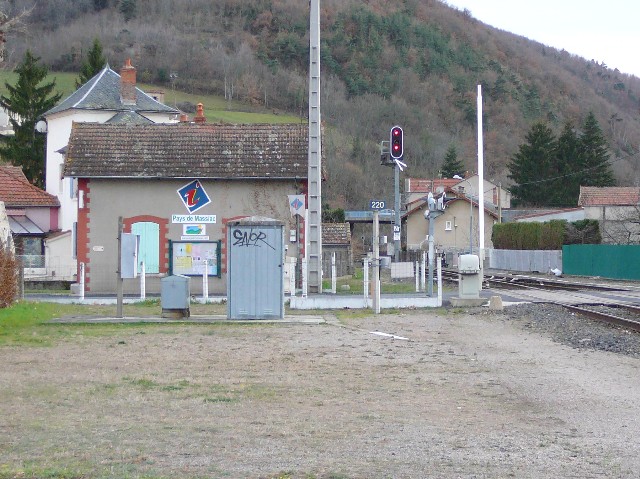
x: 25, y: 102
x: 567, y: 188
x: 128, y: 9
x: 594, y: 155
x: 451, y: 165
x: 94, y: 63
x: 532, y: 165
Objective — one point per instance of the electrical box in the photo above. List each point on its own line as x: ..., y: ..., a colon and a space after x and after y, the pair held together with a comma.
x: 129, y: 256
x: 469, y: 278
x: 175, y: 296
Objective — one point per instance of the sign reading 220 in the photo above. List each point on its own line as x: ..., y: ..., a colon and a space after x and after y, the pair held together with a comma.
x: 193, y: 196
x: 377, y: 204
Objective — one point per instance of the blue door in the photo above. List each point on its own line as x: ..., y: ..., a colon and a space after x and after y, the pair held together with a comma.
x: 149, y: 248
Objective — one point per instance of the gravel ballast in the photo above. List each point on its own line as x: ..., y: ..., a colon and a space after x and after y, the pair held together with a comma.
x: 533, y: 391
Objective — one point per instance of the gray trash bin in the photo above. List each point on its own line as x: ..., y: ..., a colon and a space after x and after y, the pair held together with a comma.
x: 175, y: 297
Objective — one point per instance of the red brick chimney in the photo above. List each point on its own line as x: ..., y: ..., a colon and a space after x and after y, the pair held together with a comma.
x: 128, y: 83
x: 199, y: 118
x: 184, y: 118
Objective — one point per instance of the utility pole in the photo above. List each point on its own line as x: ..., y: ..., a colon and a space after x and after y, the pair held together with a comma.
x: 314, y: 239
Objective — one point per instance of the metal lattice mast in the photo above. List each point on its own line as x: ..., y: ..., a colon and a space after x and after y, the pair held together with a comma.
x: 314, y: 239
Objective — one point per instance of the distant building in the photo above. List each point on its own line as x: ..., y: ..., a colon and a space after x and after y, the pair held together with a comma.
x: 32, y: 216
x: 617, y: 209
x: 336, y: 239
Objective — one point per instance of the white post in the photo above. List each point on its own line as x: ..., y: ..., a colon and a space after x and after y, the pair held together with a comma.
x: 205, y: 282
x: 304, y: 277
x: 480, y: 187
x: 417, y: 275
x: 334, y: 279
x: 292, y: 277
x: 439, y: 280
x: 423, y: 271
x: 376, y: 262
x: 81, y: 292
x: 143, y: 281
x: 365, y: 280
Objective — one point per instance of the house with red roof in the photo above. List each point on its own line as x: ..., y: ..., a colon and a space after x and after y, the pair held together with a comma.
x: 617, y: 209
x: 32, y: 215
x: 457, y: 229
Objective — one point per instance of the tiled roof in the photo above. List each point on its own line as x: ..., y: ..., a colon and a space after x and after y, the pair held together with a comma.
x: 336, y: 233
x: 609, y: 196
x: 17, y: 192
x: 102, y: 92
x: 423, y: 185
x: 187, y: 150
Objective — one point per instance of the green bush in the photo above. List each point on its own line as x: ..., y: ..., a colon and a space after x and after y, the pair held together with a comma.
x: 550, y: 235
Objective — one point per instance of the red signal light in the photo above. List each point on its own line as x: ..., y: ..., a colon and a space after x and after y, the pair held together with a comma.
x: 396, y: 142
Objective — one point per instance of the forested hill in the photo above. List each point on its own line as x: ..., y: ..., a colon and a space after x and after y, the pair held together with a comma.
x: 415, y: 63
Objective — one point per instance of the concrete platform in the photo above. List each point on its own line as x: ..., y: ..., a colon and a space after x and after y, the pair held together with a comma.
x: 458, y: 302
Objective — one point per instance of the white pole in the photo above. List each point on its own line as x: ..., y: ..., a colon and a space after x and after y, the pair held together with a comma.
x: 143, y: 281
x: 81, y: 292
x: 304, y: 277
x: 439, y: 280
x: 376, y: 262
x: 423, y: 273
x: 205, y: 282
x: 292, y: 277
x: 365, y: 280
x: 480, y: 187
x: 334, y: 279
x: 417, y: 275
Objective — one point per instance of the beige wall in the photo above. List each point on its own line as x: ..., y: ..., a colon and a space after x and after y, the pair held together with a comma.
x: 451, y: 229
x: 108, y: 199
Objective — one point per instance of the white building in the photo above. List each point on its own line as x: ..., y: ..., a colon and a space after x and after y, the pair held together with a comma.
x: 108, y: 97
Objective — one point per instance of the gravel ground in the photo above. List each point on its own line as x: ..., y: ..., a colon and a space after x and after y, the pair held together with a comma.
x: 575, y: 330
x: 529, y: 392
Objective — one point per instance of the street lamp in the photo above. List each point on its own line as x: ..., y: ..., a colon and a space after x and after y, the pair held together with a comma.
x: 458, y: 177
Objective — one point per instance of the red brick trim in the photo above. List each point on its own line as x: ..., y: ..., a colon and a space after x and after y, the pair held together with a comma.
x: 163, y: 224
x: 83, y: 228
x: 223, y: 248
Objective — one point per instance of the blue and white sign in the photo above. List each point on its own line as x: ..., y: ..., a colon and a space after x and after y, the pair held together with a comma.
x: 193, y: 196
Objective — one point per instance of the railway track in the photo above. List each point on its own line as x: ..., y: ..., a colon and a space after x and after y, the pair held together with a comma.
x: 615, y: 304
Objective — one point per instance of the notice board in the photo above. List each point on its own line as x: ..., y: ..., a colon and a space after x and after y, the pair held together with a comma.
x: 188, y: 258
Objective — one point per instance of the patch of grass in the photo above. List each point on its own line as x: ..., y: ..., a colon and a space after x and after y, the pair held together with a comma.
x: 355, y: 284
x: 142, y: 383
x: 42, y: 472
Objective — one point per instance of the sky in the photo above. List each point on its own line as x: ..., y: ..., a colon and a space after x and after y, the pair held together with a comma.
x: 606, y: 31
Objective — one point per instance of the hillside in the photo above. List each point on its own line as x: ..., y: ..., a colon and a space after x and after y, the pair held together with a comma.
x: 415, y: 63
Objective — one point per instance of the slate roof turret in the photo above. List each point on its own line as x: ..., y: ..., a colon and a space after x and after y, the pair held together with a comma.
x: 102, y: 92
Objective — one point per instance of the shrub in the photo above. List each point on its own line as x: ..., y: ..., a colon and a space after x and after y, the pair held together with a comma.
x: 550, y: 235
x: 8, y: 276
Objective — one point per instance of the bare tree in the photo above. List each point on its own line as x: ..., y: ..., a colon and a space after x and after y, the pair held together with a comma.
x: 13, y: 24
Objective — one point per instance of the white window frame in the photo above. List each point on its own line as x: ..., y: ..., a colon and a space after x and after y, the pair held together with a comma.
x: 447, y: 226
